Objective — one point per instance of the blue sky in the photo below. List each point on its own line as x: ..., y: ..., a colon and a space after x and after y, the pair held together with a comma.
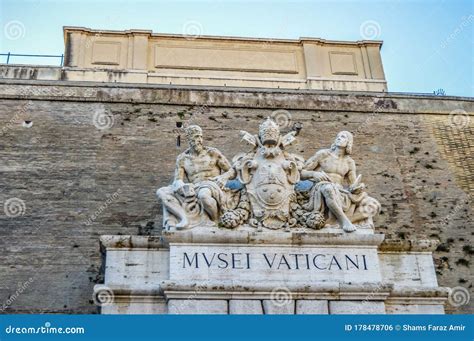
x: 428, y: 44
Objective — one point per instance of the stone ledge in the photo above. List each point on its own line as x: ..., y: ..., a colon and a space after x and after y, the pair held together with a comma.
x: 321, y: 100
x: 122, y: 290
x: 111, y: 242
x: 322, y: 286
x: 268, y: 91
x: 117, y: 294
x: 257, y: 290
x: 217, y: 37
x: 404, y: 295
x: 398, y: 245
x: 273, y: 238
x: 414, y: 292
x: 408, y: 300
x: 324, y: 290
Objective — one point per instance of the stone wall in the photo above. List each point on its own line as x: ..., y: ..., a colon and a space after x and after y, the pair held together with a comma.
x: 79, y: 180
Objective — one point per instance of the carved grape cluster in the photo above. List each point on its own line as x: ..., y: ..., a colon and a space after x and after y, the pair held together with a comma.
x: 234, y: 217
x: 312, y: 220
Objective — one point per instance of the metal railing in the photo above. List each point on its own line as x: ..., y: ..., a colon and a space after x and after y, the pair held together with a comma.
x: 9, y: 55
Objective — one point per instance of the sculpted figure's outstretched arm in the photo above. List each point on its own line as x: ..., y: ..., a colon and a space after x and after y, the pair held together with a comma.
x: 353, y: 180
x: 222, y: 162
x: 312, y: 163
x: 227, y: 172
x: 308, y: 172
x: 171, y: 205
x: 179, y: 174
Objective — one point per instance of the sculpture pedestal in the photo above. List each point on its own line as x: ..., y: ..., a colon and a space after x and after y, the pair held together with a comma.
x: 233, y: 272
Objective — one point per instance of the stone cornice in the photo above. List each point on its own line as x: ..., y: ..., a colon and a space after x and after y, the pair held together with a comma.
x: 334, y: 101
x: 273, y: 238
x: 68, y: 29
x: 111, y: 242
x: 239, y: 237
x: 166, y: 290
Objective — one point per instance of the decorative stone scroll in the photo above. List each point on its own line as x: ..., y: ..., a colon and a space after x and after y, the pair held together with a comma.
x: 267, y: 188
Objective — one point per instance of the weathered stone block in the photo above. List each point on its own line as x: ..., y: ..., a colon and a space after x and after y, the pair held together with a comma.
x: 356, y: 307
x: 415, y: 309
x: 193, y: 306
x: 273, y: 307
x: 137, y: 268
x: 253, y: 307
x: 304, y: 307
x: 408, y: 269
x: 135, y: 308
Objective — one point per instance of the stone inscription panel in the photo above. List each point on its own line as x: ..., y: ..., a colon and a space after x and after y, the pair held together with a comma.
x: 273, y: 263
x: 230, y: 59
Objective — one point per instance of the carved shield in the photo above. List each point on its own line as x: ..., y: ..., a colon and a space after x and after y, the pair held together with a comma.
x: 271, y: 194
x: 271, y: 183
x: 269, y: 188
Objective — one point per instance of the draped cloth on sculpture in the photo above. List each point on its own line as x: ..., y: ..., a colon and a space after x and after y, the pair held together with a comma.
x: 225, y: 197
x: 189, y: 201
x: 346, y: 200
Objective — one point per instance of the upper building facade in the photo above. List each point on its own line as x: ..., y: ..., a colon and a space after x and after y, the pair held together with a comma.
x: 140, y: 56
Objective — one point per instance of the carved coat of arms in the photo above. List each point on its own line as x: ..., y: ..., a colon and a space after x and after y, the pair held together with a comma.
x: 269, y: 176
